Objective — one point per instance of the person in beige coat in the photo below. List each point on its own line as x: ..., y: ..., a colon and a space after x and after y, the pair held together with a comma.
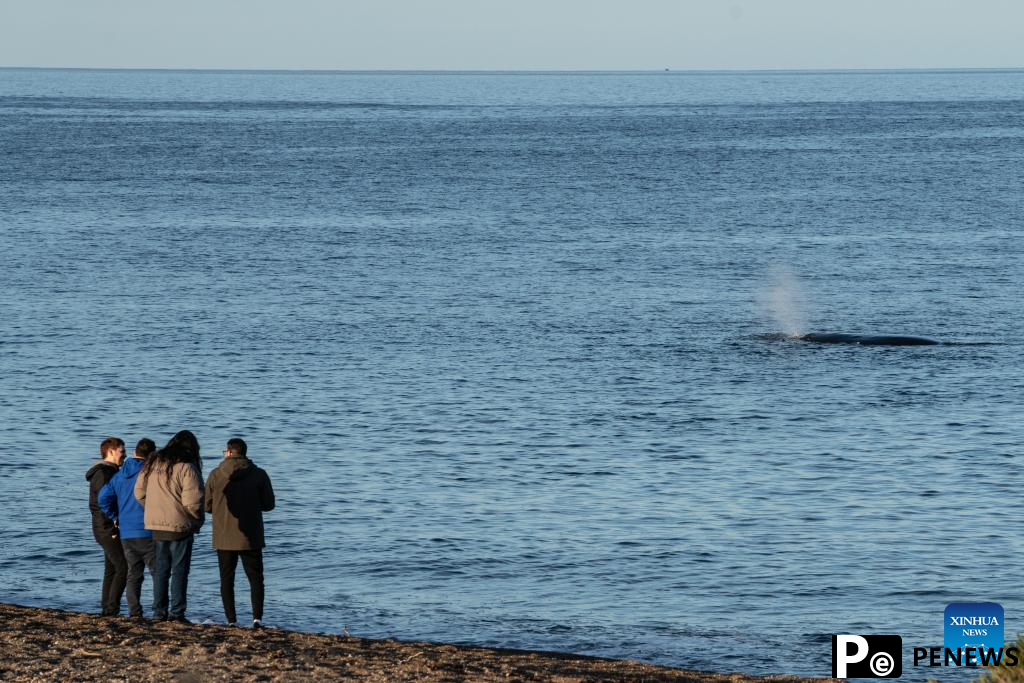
x: 170, y: 489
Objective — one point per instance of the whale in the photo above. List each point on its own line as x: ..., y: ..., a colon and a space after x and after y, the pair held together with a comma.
x: 865, y: 339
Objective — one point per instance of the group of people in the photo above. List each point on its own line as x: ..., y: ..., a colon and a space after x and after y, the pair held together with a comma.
x: 147, y: 508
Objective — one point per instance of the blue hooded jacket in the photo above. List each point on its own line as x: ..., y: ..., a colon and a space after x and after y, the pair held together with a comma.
x: 117, y: 500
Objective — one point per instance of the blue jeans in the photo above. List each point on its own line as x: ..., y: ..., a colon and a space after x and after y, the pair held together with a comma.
x: 173, y: 559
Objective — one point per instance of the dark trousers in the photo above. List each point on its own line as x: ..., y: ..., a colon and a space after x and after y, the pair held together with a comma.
x: 252, y: 563
x: 173, y: 560
x: 115, y: 573
x: 139, y: 554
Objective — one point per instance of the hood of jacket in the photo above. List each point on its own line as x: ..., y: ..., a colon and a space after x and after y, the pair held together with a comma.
x: 102, y: 464
x: 237, y: 468
x: 131, y: 468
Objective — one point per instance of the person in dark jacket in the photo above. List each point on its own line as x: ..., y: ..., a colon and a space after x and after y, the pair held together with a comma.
x: 117, y: 501
x: 104, y: 530
x: 238, y: 493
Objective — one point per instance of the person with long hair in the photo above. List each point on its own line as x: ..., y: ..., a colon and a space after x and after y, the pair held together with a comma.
x: 170, y: 489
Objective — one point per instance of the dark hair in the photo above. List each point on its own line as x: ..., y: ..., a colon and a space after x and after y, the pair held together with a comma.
x: 144, y: 448
x: 237, y: 447
x: 183, y: 447
x: 109, y: 444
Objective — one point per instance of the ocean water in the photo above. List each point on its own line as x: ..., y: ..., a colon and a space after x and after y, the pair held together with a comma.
x: 508, y: 346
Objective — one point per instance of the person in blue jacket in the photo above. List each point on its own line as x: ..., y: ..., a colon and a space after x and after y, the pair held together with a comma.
x: 118, y: 502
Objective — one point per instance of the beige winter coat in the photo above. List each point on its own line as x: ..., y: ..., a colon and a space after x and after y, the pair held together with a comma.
x: 175, y: 505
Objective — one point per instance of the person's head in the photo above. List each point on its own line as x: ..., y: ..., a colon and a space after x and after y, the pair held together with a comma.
x: 112, y: 450
x: 144, y: 448
x: 183, y: 447
x: 235, y: 449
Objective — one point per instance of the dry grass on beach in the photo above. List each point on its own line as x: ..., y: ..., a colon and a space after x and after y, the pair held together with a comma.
x: 50, y: 645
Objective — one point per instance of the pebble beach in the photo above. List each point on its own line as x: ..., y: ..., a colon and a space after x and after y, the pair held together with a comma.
x: 46, y: 644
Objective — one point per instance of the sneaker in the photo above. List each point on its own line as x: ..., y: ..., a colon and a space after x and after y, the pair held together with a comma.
x: 257, y: 624
x: 181, y: 620
x: 233, y: 624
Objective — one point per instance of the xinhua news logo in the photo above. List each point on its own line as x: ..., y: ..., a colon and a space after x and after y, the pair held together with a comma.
x: 973, y: 627
x: 867, y: 656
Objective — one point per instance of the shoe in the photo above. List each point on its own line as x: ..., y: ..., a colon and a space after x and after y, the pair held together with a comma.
x: 181, y: 620
x: 257, y: 624
x: 136, y: 618
x: 159, y: 616
x: 233, y: 624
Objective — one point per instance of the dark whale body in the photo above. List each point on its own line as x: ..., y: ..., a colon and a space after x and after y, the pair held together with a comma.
x: 866, y: 339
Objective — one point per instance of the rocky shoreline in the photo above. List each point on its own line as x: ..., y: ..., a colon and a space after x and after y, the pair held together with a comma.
x: 46, y: 644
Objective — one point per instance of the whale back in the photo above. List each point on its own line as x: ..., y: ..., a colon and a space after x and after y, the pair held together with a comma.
x: 866, y: 339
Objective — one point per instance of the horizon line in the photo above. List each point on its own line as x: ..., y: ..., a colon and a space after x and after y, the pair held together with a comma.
x: 728, y: 70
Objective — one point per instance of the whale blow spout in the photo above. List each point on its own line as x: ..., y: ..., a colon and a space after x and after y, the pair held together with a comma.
x: 866, y: 339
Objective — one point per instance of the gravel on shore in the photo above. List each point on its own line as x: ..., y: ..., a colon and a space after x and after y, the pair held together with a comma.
x: 47, y: 644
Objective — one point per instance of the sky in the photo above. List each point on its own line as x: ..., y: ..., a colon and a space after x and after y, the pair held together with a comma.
x: 513, y: 34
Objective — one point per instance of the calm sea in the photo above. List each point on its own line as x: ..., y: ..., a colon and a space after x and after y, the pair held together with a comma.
x: 500, y: 342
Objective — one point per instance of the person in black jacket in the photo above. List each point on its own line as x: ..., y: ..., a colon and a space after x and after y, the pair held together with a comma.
x: 115, y: 568
x: 237, y: 494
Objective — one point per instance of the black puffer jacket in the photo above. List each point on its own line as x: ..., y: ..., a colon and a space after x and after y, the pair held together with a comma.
x: 98, y: 476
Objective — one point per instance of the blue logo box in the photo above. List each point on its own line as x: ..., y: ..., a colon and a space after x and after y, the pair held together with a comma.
x: 973, y: 624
